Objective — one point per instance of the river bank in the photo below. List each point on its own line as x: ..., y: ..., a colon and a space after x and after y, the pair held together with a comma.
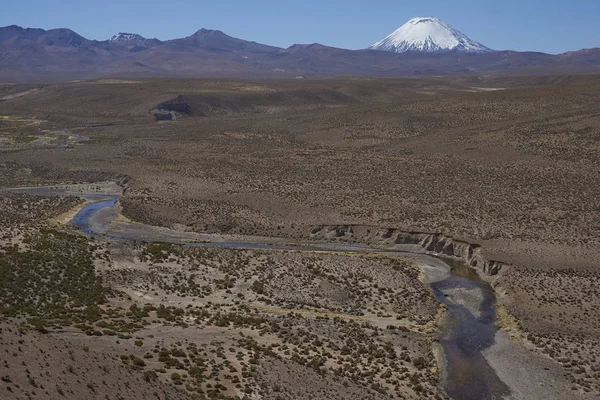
x: 479, y: 362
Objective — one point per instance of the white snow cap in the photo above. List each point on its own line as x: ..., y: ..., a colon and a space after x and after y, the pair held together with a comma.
x: 431, y: 35
x: 123, y: 37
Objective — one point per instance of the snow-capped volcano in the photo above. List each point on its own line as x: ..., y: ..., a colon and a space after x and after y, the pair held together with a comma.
x: 430, y: 35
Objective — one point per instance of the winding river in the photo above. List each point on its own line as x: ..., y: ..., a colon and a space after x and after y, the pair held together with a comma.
x: 467, y: 328
x: 465, y: 331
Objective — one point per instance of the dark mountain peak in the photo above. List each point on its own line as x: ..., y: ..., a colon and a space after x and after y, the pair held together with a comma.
x: 218, y: 41
x: 310, y: 48
x: 307, y: 46
x: 62, y: 37
x: 18, y: 36
x: 205, y: 32
x: 16, y: 33
x: 19, y: 29
x: 12, y: 28
x: 593, y: 50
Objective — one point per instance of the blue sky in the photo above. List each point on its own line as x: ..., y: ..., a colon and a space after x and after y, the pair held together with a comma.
x: 543, y: 25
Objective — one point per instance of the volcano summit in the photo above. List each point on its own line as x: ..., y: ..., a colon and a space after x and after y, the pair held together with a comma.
x: 429, y: 35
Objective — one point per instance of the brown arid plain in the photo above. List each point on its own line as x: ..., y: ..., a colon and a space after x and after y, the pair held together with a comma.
x: 511, y: 164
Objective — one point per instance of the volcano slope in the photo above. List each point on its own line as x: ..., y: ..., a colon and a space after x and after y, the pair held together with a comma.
x: 509, y: 163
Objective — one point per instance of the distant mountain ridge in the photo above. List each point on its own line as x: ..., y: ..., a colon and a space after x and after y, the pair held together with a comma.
x: 54, y: 55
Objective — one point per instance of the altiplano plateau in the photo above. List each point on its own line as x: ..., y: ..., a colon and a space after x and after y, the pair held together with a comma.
x: 340, y: 238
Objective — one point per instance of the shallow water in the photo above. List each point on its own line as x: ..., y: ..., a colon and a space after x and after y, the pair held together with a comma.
x: 464, y: 335
x: 82, y: 218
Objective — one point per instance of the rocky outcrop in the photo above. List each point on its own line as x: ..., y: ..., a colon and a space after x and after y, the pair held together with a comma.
x: 433, y: 243
x: 469, y: 252
x: 179, y: 105
x: 164, y: 115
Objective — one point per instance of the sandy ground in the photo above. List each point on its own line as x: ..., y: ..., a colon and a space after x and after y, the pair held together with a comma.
x: 529, y: 375
x: 19, y: 94
x: 468, y: 298
x: 433, y: 270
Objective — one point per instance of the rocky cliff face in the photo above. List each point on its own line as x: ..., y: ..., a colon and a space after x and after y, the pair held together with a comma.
x: 433, y: 243
x: 468, y: 252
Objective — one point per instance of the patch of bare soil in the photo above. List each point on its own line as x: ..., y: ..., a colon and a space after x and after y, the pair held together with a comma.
x: 35, y: 365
